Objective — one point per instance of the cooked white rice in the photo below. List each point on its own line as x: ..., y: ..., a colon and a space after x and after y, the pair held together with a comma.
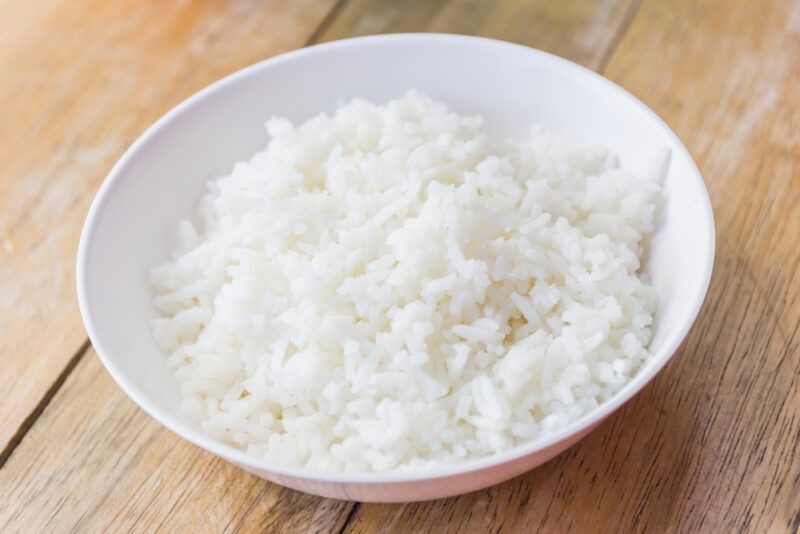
x: 391, y: 288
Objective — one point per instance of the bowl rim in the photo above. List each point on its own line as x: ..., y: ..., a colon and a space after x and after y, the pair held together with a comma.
x: 229, y: 452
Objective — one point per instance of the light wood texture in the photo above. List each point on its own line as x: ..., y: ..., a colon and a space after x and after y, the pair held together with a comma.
x: 79, y: 81
x: 96, y: 461
x: 712, y: 445
x: 583, y: 31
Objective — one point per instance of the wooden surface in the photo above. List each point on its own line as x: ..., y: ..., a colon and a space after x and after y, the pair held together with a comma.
x: 712, y: 445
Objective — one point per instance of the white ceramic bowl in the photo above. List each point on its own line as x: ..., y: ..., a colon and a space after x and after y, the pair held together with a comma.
x: 159, y: 180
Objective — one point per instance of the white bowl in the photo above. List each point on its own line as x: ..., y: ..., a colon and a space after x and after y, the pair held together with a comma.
x: 159, y: 180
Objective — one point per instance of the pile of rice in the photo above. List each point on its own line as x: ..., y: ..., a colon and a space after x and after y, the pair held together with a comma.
x: 391, y: 288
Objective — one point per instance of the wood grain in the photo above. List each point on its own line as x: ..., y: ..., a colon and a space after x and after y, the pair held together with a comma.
x: 96, y: 461
x: 713, y: 445
x: 80, y: 81
x: 583, y: 31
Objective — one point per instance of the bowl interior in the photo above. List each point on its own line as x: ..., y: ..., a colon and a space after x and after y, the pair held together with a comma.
x: 132, y: 225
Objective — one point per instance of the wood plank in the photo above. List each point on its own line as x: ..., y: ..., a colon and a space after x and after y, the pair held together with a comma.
x: 80, y: 81
x: 580, y: 30
x: 95, y: 460
x: 712, y: 445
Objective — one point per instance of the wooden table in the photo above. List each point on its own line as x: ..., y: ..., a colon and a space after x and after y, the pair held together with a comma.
x: 712, y: 445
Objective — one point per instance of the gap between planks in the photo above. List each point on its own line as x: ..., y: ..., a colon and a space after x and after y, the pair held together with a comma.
x: 350, y: 517
x: 326, y: 22
x: 627, y: 21
x: 38, y: 410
